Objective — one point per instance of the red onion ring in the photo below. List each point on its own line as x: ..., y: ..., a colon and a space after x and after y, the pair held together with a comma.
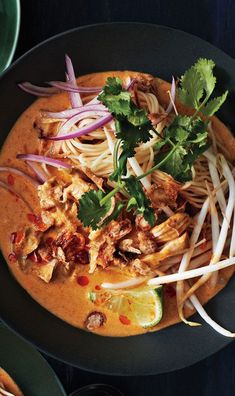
x: 11, y: 190
x: 64, y: 86
x: 41, y: 175
x: 20, y: 173
x: 78, y: 117
x: 44, y: 160
x: 72, y: 112
x: 75, y: 97
x: 173, y: 93
x: 36, y: 90
x: 131, y: 83
x: 84, y: 130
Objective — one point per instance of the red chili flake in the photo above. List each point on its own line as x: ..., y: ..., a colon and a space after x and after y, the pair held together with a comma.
x: 83, y: 280
x: 37, y: 221
x: 124, y: 320
x: 31, y: 217
x: 12, y: 257
x: 13, y: 237
x: 97, y: 287
x: 10, y: 179
x: 19, y: 237
x: 170, y: 291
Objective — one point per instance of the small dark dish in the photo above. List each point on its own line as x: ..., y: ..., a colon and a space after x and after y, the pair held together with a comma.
x: 161, y: 51
x: 27, y: 367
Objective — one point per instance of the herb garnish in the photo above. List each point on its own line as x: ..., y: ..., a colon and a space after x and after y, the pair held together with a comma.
x: 132, y: 124
x: 178, y: 147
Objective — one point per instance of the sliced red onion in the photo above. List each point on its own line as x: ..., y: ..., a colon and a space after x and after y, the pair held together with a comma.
x: 36, y: 90
x: 131, y: 83
x: 72, y: 112
x: 20, y: 173
x: 41, y: 175
x: 64, y: 86
x: 44, y: 160
x: 75, y: 97
x: 11, y: 190
x: 78, y: 117
x: 173, y: 92
x: 84, y: 130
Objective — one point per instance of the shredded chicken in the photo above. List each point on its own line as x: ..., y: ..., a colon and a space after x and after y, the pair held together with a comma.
x: 26, y: 244
x: 171, y: 228
x: 171, y: 248
x: 146, y: 243
x: 45, y: 271
x: 126, y: 245
x: 118, y: 229
x: 117, y: 245
x: 103, y: 243
x: 50, y: 193
x: 139, y: 267
x: 164, y: 191
x: 98, y: 181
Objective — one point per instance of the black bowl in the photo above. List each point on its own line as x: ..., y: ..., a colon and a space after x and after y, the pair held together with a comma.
x: 161, y: 51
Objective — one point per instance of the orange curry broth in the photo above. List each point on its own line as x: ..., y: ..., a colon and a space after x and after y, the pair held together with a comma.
x: 64, y: 297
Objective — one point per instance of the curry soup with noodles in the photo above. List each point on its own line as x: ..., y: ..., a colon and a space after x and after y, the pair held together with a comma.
x: 67, y: 296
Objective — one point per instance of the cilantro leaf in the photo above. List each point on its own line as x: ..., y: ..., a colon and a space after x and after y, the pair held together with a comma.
x: 175, y: 164
x: 113, y: 86
x: 132, y: 124
x: 90, y: 211
x: 188, y: 140
x: 139, y: 200
x: 205, y: 69
x: 191, y: 90
x: 197, y: 85
x: 214, y: 104
x: 115, y: 98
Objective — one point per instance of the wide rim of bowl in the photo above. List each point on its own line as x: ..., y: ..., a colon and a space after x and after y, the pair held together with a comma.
x: 69, y: 31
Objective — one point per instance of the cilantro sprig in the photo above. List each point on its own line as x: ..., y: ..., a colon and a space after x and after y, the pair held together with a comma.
x: 186, y: 138
x: 197, y: 86
x: 132, y: 124
x: 178, y: 147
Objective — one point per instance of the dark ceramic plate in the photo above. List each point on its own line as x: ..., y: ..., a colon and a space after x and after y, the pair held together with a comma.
x: 26, y: 366
x: 160, y: 51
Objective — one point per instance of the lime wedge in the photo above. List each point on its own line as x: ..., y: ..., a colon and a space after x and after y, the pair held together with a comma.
x: 141, y: 306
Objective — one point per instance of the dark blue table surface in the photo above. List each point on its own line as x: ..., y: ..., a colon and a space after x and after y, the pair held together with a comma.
x: 212, y: 20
